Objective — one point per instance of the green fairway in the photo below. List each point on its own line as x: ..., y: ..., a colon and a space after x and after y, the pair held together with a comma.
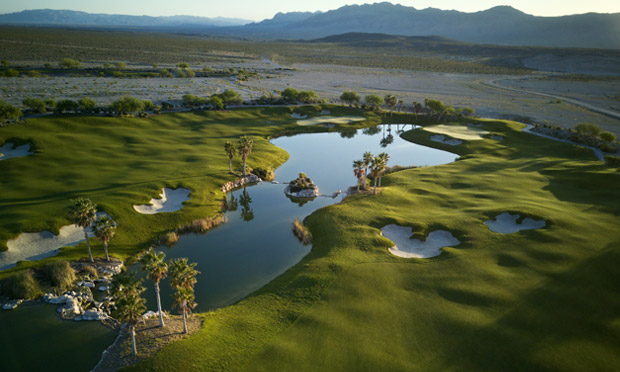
x: 120, y: 162
x: 536, y: 300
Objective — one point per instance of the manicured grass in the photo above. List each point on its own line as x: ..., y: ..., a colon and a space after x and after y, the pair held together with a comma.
x: 119, y: 162
x: 537, y: 300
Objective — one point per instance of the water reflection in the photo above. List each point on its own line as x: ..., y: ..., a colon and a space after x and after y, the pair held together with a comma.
x: 247, y: 214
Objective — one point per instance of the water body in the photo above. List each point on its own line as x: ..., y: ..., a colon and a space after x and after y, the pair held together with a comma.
x: 257, y: 244
x: 34, y: 338
x: 236, y: 258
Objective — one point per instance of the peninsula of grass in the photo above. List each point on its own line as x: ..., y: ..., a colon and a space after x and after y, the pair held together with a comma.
x: 536, y: 300
x: 121, y: 162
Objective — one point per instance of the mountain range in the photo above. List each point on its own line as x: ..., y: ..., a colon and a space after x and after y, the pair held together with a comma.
x: 501, y: 25
x: 49, y: 17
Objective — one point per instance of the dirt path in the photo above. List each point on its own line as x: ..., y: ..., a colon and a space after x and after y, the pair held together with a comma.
x: 495, y: 84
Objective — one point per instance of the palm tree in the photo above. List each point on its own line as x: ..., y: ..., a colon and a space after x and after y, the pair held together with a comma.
x: 384, y: 158
x: 375, y: 168
x: 391, y: 101
x: 129, y: 309
x: 104, y: 231
x: 156, y: 268
x: 182, y: 274
x: 358, y: 171
x: 367, y: 159
x: 231, y: 150
x: 83, y: 214
x: 184, y: 301
x: 244, y: 146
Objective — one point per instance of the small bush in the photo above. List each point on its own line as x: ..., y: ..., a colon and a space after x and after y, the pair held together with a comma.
x: 61, y: 275
x: 606, y: 147
x: 612, y: 161
x: 169, y: 239
x: 302, y: 232
x: 607, y: 136
x: 265, y: 174
x: 201, y: 225
x: 588, y: 129
x: 22, y: 285
x: 91, y: 271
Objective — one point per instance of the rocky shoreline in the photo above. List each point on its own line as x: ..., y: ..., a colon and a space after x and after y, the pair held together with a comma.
x: 250, y: 178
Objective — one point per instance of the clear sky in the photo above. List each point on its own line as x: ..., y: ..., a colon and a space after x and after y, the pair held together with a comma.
x: 261, y: 9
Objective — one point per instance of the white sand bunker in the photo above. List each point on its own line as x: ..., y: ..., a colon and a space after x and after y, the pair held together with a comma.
x: 8, y: 151
x: 329, y: 120
x: 171, y: 201
x: 39, y: 245
x: 458, y: 131
x: 443, y: 139
x: 506, y: 223
x: 408, y: 248
x: 298, y: 116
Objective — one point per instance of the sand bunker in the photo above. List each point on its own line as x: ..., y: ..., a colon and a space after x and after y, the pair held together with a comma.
x: 443, y: 139
x: 171, y: 201
x: 330, y: 120
x: 39, y: 245
x: 506, y: 223
x: 408, y: 248
x: 7, y: 151
x: 458, y: 131
x: 298, y: 116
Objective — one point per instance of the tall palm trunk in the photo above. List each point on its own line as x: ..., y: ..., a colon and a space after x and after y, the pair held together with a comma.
x: 375, y: 191
x: 134, y: 351
x: 90, y: 254
x: 244, y: 165
x: 161, y: 315
x: 229, y: 165
x: 184, y: 321
x: 105, y: 248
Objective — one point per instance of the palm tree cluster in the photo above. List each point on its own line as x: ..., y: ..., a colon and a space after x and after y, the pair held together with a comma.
x: 83, y: 213
x: 126, y: 290
x: 375, y: 164
x: 243, y: 147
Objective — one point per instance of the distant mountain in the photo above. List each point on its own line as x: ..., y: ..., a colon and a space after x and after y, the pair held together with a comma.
x: 47, y: 17
x: 500, y: 25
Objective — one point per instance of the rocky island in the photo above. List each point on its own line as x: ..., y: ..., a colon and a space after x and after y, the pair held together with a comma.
x: 302, y: 187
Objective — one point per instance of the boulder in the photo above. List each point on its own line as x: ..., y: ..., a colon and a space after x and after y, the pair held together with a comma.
x: 306, y: 193
x: 86, y: 284
x: 12, y: 305
x: 92, y: 314
x: 59, y: 299
x: 152, y: 314
x: 250, y: 178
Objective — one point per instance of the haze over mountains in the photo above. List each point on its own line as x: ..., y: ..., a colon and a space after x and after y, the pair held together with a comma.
x: 499, y: 25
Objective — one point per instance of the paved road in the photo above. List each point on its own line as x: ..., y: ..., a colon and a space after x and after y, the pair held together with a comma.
x: 609, y: 113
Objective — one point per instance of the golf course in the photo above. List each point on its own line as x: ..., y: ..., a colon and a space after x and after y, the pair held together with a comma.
x: 538, y: 299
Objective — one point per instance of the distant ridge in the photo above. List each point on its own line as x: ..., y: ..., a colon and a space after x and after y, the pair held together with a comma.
x: 45, y: 17
x: 502, y: 25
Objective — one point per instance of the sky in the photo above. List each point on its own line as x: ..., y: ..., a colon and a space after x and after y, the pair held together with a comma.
x: 257, y: 10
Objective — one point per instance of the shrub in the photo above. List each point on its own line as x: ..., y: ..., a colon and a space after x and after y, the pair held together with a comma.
x: 169, y: 239
x: 61, y: 275
x: 22, y: 285
x: 34, y: 73
x: 91, y: 271
x: 11, y: 73
x: 69, y: 63
x: 302, y: 232
x: 66, y: 105
x: 290, y: 94
x: 612, y: 161
x: 183, y: 65
x: 35, y: 104
x: 350, y: 97
x: 265, y: 174
x: 201, y: 225
x: 607, y: 136
x: 588, y: 129
x: 302, y: 182
x: 87, y: 104
x: 127, y: 105
x: 606, y: 147
x: 8, y: 111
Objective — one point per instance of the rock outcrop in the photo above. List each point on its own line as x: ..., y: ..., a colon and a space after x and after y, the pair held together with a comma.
x: 250, y: 178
